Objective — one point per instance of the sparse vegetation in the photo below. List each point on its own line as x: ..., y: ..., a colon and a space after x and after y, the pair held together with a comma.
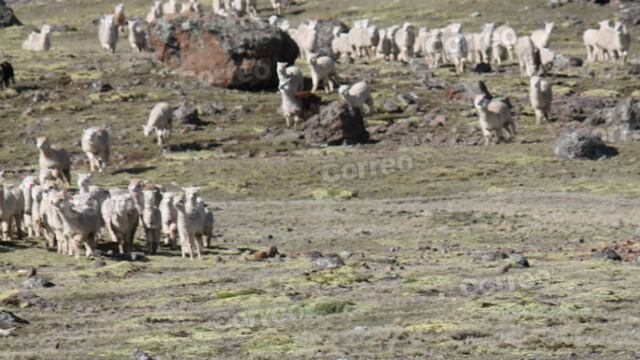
x: 420, y: 278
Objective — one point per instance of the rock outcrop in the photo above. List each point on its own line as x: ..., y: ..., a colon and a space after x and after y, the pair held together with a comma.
x: 7, y: 17
x: 582, y: 144
x: 229, y: 52
x: 337, y: 123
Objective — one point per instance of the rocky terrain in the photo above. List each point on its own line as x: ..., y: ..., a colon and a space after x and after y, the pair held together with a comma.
x: 416, y: 243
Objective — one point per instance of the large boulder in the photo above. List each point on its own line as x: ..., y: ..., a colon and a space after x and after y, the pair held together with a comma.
x: 7, y: 17
x: 337, y: 123
x: 230, y: 52
x: 582, y: 144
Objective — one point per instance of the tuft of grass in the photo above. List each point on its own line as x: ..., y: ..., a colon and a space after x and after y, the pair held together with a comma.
x: 231, y: 294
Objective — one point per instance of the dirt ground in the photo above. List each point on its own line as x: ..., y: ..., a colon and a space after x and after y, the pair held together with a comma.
x: 419, y: 261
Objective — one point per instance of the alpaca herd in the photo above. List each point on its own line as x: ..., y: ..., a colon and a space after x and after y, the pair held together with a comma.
x: 437, y: 46
x: 70, y: 222
x: 43, y: 207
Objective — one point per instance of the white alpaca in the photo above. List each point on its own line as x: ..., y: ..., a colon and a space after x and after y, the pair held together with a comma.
x: 357, y: 95
x: 160, y: 121
x: 95, y: 144
x: 191, y: 220
x: 55, y: 162
x: 323, y: 70
x: 38, y: 41
x: 155, y: 13
x: 542, y: 38
x: 151, y: 220
x: 541, y: 95
x: 108, y: 33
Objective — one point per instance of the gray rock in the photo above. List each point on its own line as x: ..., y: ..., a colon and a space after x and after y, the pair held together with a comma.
x: 609, y: 254
x: 141, y: 355
x: 213, y: 108
x: 327, y: 263
x: 101, y: 86
x: 391, y: 106
x: 476, y: 14
x: 34, y: 281
x: 337, y: 123
x: 430, y: 82
x: 8, y: 317
x: 581, y: 144
x: 40, y: 96
x: 561, y: 62
x: 412, y: 109
x: 490, y: 256
x: 519, y: 260
x: 404, y: 100
x: 187, y: 113
x: 7, y: 17
x: 37, y: 282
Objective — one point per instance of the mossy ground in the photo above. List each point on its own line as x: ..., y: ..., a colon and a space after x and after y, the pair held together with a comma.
x: 412, y: 232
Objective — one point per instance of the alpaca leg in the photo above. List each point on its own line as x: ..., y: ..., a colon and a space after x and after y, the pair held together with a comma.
x: 183, y: 245
x: 190, y: 244
x: 121, y: 245
x: 315, y: 81
x: 173, y: 232
x: 6, y: 230
x: 18, y: 221
x: 91, y: 162
x: 196, y: 244
x: 287, y: 119
x: 76, y: 246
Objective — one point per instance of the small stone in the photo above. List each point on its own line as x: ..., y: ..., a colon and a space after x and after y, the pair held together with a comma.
x: 136, y: 256
x: 34, y: 282
x: 28, y: 111
x: 609, y: 254
x: 516, y: 260
x: 476, y: 14
x: 187, y: 113
x: 101, y: 86
x: 213, y: 108
x: 391, y: 107
x: 327, y: 263
x: 8, y: 317
x: 141, y: 355
x: 412, y: 109
x: 439, y: 120
x: 576, y: 61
